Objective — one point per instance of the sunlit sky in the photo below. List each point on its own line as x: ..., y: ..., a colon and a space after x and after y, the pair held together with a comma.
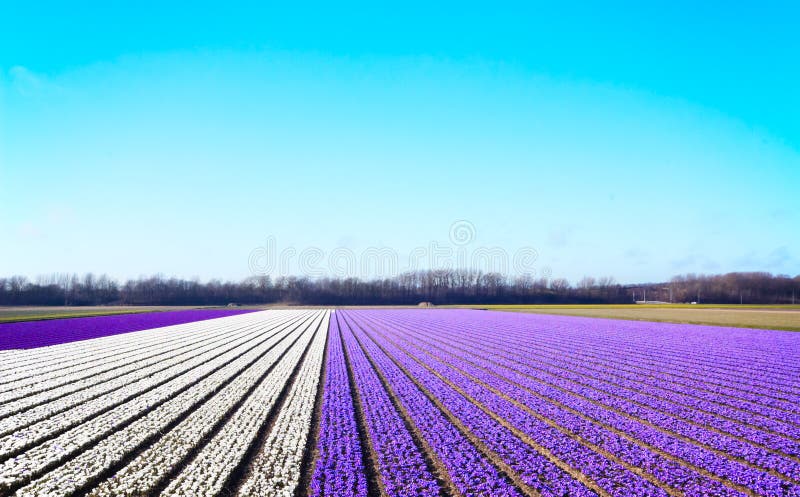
x: 635, y: 139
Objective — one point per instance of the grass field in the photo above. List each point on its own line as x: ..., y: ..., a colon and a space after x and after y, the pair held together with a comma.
x: 774, y: 317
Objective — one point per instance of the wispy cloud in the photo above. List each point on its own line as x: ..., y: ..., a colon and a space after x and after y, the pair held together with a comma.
x: 637, y: 256
x: 782, y: 215
x: 30, y: 231
x: 560, y: 236
x: 693, y: 262
x: 779, y: 259
x: 29, y: 83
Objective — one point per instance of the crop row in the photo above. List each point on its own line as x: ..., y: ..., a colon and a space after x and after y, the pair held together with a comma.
x: 543, y: 423
x: 216, y: 409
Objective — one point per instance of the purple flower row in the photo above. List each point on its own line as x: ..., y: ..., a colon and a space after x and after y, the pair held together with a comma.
x: 670, y: 358
x: 760, y: 388
x: 468, y: 469
x: 339, y: 468
x: 761, y: 416
x: 760, y: 404
x: 560, y: 345
x: 501, y: 378
x: 560, y: 405
x: 666, y: 402
x: 645, y: 407
x: 594, y: 335
x: 766, y: 348
x: 609, y: 475
x: 620, y: 482
x: 400, y: 463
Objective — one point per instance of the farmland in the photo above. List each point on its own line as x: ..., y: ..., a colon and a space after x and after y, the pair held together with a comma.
x: 405, y: 402
x: 774, y: 317
x: 29, y: 334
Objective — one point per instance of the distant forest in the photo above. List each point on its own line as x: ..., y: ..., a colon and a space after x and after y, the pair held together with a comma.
x: 435, y: 286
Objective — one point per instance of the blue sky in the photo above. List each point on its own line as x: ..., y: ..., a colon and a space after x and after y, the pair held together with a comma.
x: 638, y: 141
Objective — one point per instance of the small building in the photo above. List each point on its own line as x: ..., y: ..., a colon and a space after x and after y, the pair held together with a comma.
x: 425, y: 304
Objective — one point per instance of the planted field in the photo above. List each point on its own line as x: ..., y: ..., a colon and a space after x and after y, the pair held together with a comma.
x: 30, y: 334
x: 406, y: 403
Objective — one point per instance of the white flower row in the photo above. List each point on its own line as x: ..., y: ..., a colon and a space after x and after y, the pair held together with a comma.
x: 60, y: 448
x: 56, y: 355
x: 167, y: 342
x: 89, y: 400
x: 84, y: 413
x: 45, y: 376
x: 276, y: 468
x: 98, y: 345
x: 208, y: 471
x: 135, y: 362
x: 90, y: 465
x: 31, y: 434
x: 83, y: 355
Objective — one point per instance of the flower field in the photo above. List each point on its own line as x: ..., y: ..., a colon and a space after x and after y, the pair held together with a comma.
x: 406, y: 403
x: 31, y: 334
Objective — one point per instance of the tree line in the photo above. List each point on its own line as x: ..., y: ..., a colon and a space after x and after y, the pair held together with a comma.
x: 435, y: 286
x: 730, y: 288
